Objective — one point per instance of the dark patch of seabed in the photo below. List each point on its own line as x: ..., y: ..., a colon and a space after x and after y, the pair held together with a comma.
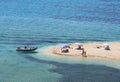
x: 81, y: 72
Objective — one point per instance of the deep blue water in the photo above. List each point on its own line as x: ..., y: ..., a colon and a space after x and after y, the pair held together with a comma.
x: 44, y: 23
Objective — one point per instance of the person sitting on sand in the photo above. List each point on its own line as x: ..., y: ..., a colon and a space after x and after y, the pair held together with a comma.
x: 65, y: 50
x: 107, y: 47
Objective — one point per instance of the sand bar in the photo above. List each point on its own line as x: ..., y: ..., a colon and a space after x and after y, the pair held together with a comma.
x: 93, y: 50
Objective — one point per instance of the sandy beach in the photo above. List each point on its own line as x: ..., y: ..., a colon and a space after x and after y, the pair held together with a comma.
x: 92, y: 50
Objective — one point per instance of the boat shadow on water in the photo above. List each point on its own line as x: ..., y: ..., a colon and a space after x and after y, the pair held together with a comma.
x: 25, y: 52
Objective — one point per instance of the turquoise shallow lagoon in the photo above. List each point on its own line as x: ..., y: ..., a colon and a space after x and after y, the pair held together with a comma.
x: 44, y: 23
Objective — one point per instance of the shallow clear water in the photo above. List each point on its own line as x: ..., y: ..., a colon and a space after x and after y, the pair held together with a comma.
x: 44, y: 23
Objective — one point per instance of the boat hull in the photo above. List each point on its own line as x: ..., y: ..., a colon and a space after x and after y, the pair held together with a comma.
x: 26, y: 49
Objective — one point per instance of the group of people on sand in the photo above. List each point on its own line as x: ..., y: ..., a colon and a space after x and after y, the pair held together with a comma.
x: 65, y: 49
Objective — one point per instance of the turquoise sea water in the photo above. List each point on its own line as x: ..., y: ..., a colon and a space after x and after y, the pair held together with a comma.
x: 44, y: 23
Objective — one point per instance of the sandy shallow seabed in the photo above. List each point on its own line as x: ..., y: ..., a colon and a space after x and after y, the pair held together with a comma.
x: 94, y: 56
x: 91, y: 51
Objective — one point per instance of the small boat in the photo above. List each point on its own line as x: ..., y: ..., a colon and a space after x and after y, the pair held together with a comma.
x: 26, y: 48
